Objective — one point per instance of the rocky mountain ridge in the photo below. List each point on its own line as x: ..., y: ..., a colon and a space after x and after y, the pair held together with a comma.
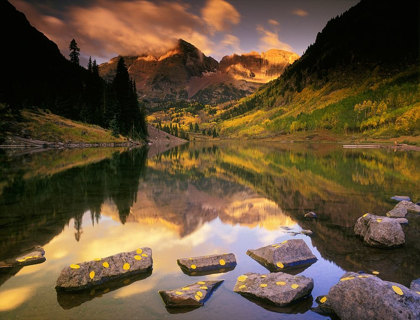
x: 185, y: 73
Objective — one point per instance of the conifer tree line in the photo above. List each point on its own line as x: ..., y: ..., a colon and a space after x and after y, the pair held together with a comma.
x: 112, y: 105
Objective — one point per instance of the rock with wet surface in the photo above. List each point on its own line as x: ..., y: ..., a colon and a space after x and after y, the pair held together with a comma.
x: 397, y: 212
x: 84, y: 275
x: 409, y: 206
x: 279, y: 288
x: 400, y: 198
x: 208, y: 263
x: 366, y: 297
x: 311, y: 215
x: 378, y: 231
x: 415, y: 285
x: 193, y: 295
x: 33, y: 256
x: 287, y: 254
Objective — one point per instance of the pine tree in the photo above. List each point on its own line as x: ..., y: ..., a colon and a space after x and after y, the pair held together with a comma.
x: 89, y: 66
x: 95, y: 68
x: 74, y: 52
x: 196, y: 128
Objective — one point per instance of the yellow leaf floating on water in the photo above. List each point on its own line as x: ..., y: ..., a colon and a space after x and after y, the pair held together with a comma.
x: 92, y: 274
x: 375, y: 272
x: 199, y: 293
x: 281, y: 283
x: 97, y: 259
x: 139, y: 251
x: 74, y: 266
x: 105, y: 264
x: 280, y: 265
x: 186, y: 288
x: 263, y: 285
x: 222, y: 262
x: 295, y: 286
x: 179, y: 293
x: 397, y: 290
x: 193, y: 266
x: 347, y: 278
x: 197, y: 298
x: 203, y: 288
x: 242, y: 286
x: 126, y: 266
x: 144, y: 255
x: 323, y: 300
x: 201, y: 282
x: 137, y: 257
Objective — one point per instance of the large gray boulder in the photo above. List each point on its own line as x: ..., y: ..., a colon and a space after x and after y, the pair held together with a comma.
x: 208, y: 264
x: 33, y: 256
x: 378, y: 231
x: 415, y: 285
x: 397, y: 212
x: 279, y: 288
x: 84, y: 275
x: 366, y: 297
x: 193, y: 295
x: 409, y: 206
x: 284, y: 255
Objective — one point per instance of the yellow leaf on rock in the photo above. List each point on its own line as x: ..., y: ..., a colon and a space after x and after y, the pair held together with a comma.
x: 179, y: 293
x: 199, y: 293
x: 193, y: 266
x: 144, y: 255
x: 139, y: 251
x: 105, y: 264
x: 379, y: 220
x: 281, y: 283
x: 323, y: 300
x: 375, y: 272
x: 203, y: 288
x: 263, y: 285
x: 295, y: 286
x: 97, y: 259
x: 280, y: 265
x: 21, y: 260
x: 74, y: 266
x: 126, y: 266
x: 186, y: 288
x: 201, y: 282
x: 365, y: 215
x: 397, y: 290
x: 347, y: 278
x: 197, y: 298
x: 242, y: 286
x: 242, y: 278
x: 137, y: 257
x: 222, y: 262
x: 92, y: 274
x: 263, y: 276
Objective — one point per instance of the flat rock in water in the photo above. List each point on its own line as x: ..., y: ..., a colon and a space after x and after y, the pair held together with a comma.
x: 279, y: 288
x: 409, y: 206
x: 34, y: 256
x: 216, y: 262
x: 193, y: 295
x: 378, y: 231
x: 400, y: 198
x: 397, y: 212
x: 415, y: 285
x: 84, y: 275
x: 288, y: 254
x: 366, y: 297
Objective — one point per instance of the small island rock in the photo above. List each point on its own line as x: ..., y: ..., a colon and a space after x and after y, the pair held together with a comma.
x: 378, y: 231
x: 311, y: 215
x: 33, y: 256
x: 280, y: 288
x: 193, y: 295
x: 366, y: 297
x: 400, y: 198
x: 84, y: 275
x: 288, y: 254
x: 409, y: 206
x: 208, y: 263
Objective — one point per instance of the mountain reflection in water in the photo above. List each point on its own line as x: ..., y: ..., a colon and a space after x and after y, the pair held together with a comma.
x: 198, y: 199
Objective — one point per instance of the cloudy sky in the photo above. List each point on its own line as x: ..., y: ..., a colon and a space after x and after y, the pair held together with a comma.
x: 106, y: 28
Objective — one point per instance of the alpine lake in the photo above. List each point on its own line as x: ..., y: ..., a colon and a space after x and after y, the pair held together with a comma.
x: 195, y: 200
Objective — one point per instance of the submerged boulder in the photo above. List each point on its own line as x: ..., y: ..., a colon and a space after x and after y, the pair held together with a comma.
x: 208, y: 264
x: 400, y: 198
x: 92, y: 273
x: 33, y: 256
x: 378, y: 231
x: 361, y: 297
x: 409, y: 206
x: 279, y: 288
x: 193, y: 295
x: 288, y: 254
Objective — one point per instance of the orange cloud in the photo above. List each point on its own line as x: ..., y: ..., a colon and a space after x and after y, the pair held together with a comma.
x: 300, y: 13
x: 270, y: 40
x: 219, y: 15
x: 273, y: 22
x: 232, y: 42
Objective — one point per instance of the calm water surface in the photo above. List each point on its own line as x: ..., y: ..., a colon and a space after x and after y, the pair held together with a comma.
x: 194, y: 200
